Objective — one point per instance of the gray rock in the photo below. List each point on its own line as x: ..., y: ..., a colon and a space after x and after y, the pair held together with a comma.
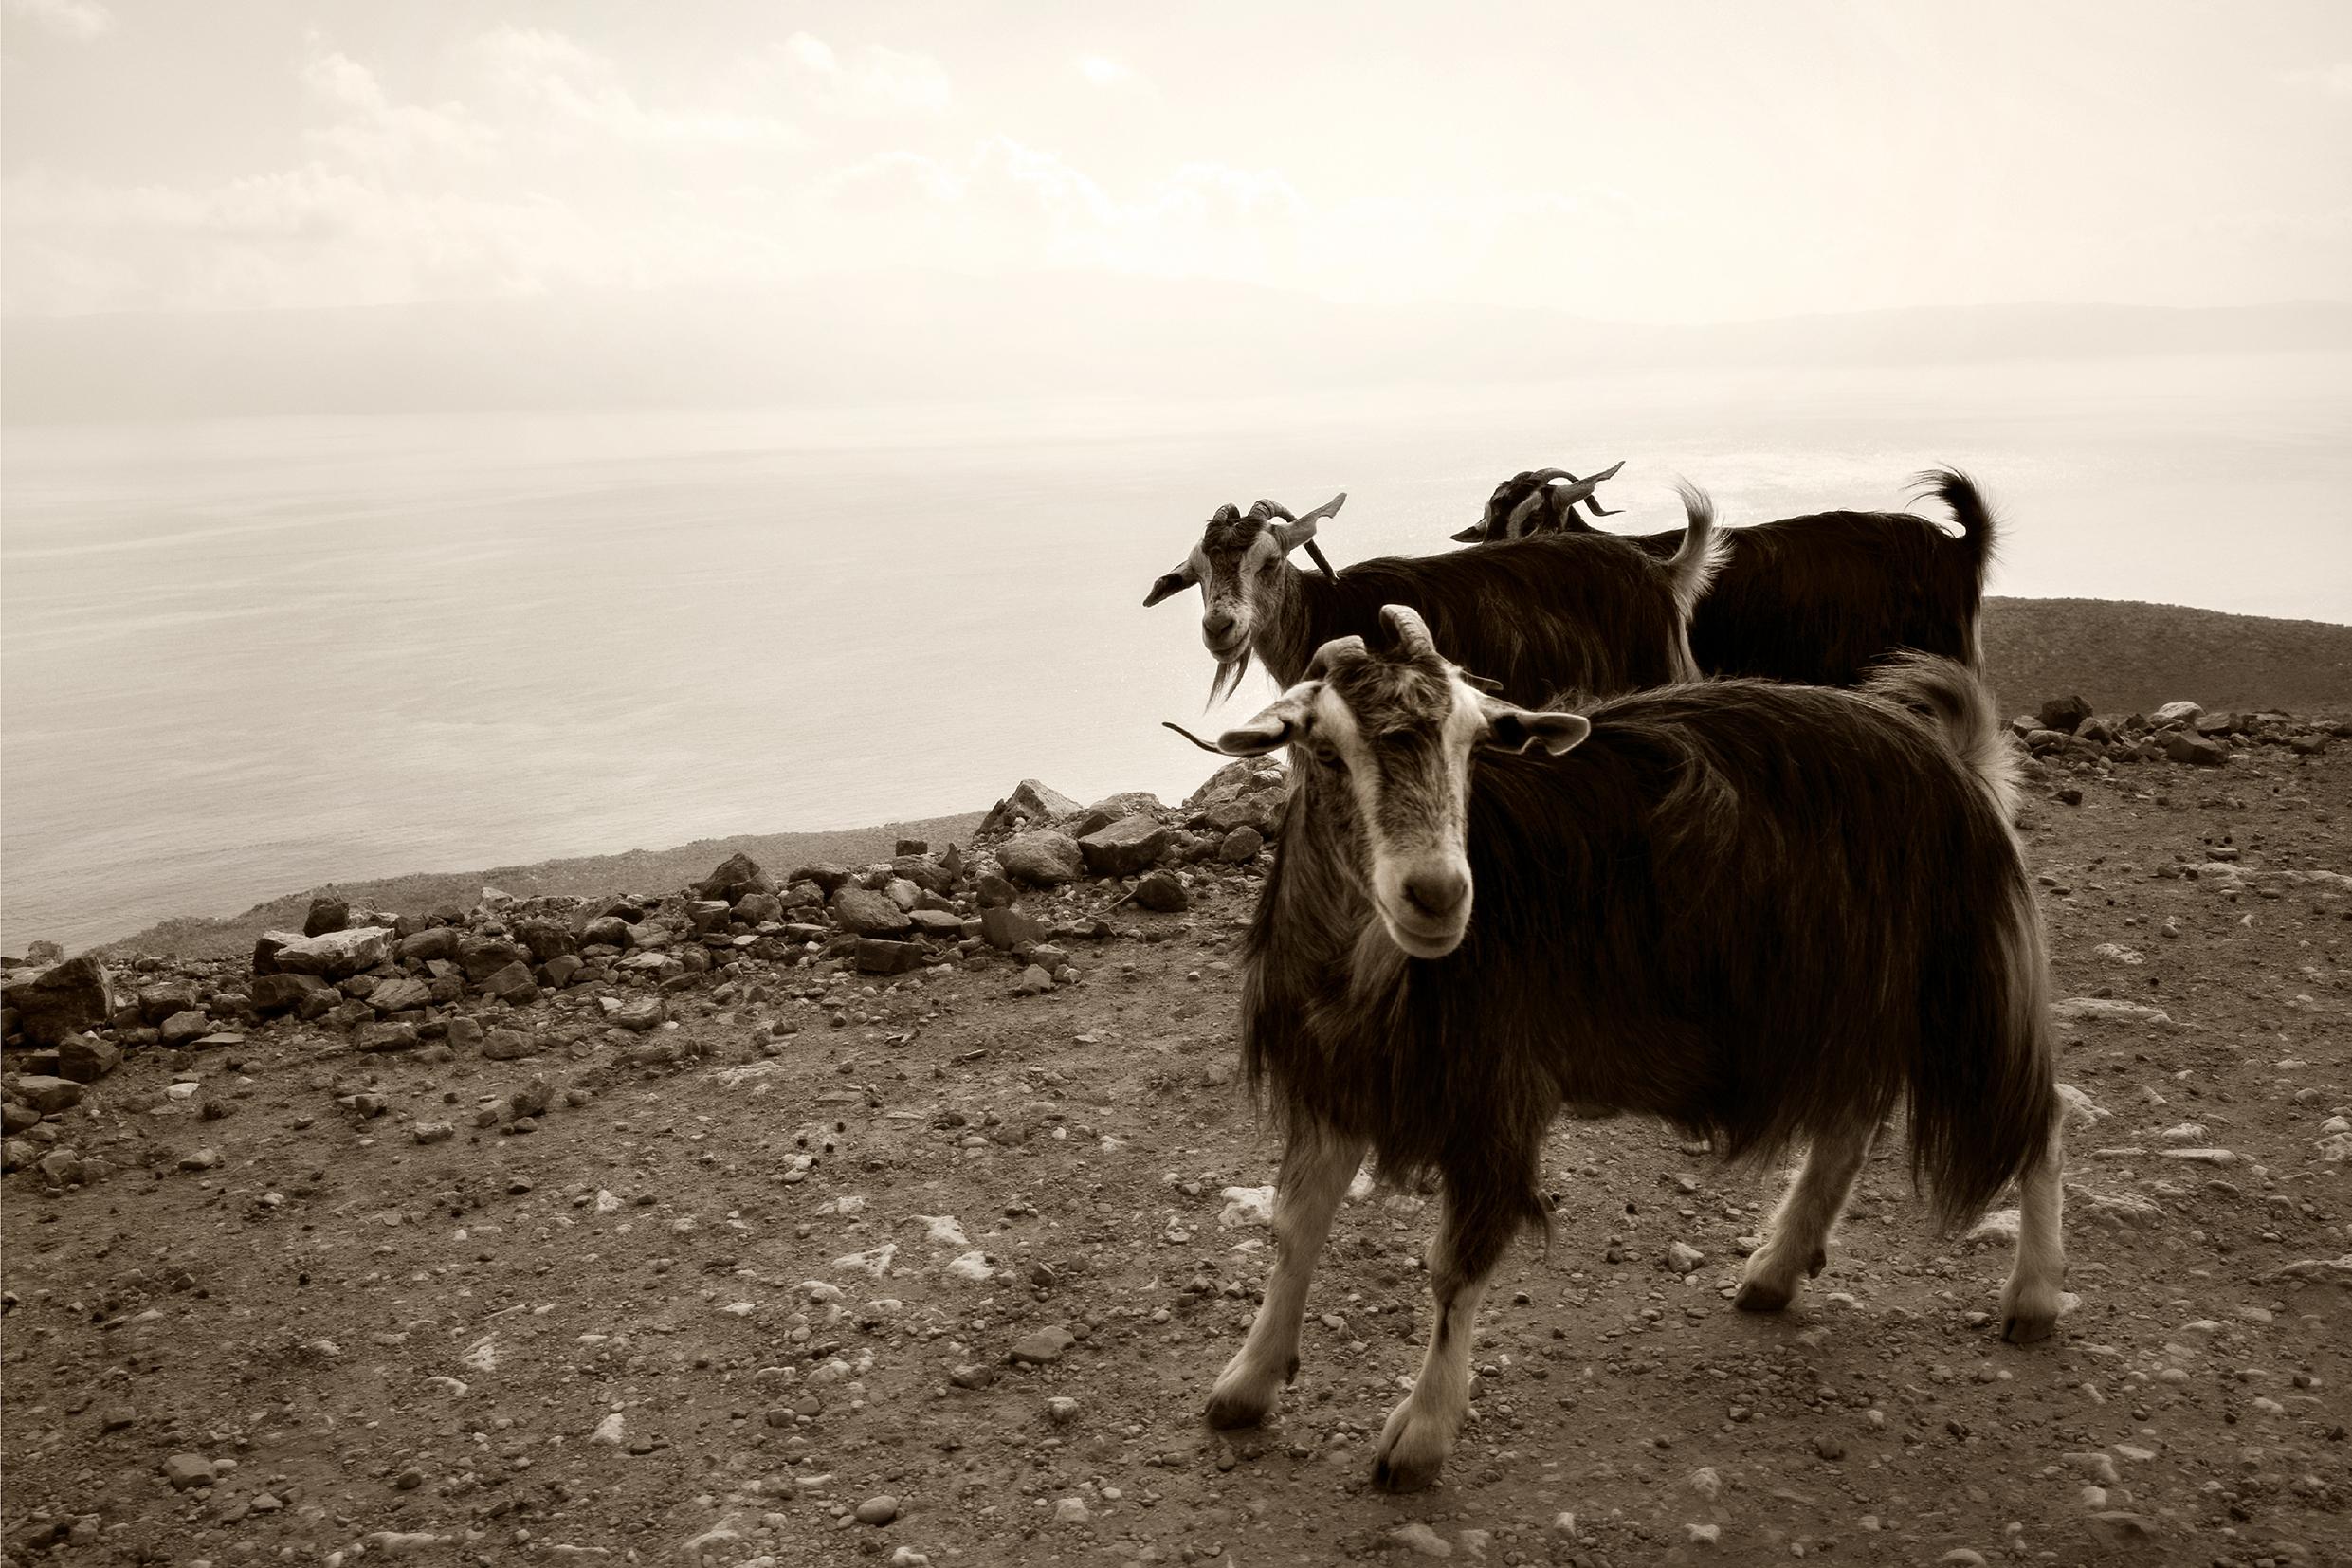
x: 876, y: 955
x: 441, y: 942
x: 1128, y: 847
x: 2194, y: 750
x: 513, y: 985
x: 651, y: 1013
x: 329, y: 912
x: 60, y: 999
x: 1042, y: 1347
x: 1241, y: 845
x: 862, y: 912
x: 1035, y: 981
x: 183, y: 1026
x: 61, y: 1168
x: 47, y: 1094
x: 157, y: 1002
x: 85, y: 1059
x: 607, y: 931
x: 878, y: 1510
x: 2106, y: 1010
x: 385, y: 1037
x: 736, y: 875
x: 434, y: 1132
x: 936, y: 922
x: 2063, y: 714
x: 187, y: 1469
x: 482, y: 956
x: 827, y: 876
x: 1042, y: 857
x: 506, y: 1045
x: 1010, y: 928
x: 401, y: 993
x: 995, y: 892
x: 465, y: 1034
x: 2175, y: 713
x: 545, y: 940
x: 306, y: 995
x: 759, y: 908
x: 16, y: 1117
x: 1161, y: 892
x: 336, y: 955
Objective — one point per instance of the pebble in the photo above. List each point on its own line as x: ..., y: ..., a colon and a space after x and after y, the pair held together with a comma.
x: 878, y: 1510
x: 184, y: 1470
x: 1418, y: 1537
x: 1042, y: 1347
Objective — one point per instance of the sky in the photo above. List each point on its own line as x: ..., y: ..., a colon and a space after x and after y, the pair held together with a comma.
x: 1657, y: 162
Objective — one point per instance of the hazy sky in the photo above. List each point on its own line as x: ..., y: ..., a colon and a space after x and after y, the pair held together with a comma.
x: 1652, y: 161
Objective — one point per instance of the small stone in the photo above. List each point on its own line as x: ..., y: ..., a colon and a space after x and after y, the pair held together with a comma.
x: 648, y: 1013
x: 1125, y: 848
x: 1703, y: 1535
x: 1418, y: 1537
x: 85, y: 1059
x: 1070, y: 1510
x: 1035, y: 981
x: 2198, y: 752
x: 1241, y: 845
x: 1682, y: 1257
x: 1009, y: 928
x: 862, y: 912
x: 385, y: 1037
x: 184, y: 1470
x: 874, y: 956
x: 506, y: 1045
x: 1043, y: 1347
x: 1043, y: 857
x: 2117, y: 1528
x: 878, y: 1510
x: 47, y: 1094
x: 1061, y: 1410
x: 434, y: 1132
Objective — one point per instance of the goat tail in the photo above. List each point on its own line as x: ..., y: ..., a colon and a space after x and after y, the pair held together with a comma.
x: 1960, y: 710
x: 1984, y: 1100
x: 1980, y: 530
x: 1704, y: 548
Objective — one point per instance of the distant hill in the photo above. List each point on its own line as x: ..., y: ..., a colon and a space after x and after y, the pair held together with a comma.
x: 2119, y: 655
x: 914, y: 335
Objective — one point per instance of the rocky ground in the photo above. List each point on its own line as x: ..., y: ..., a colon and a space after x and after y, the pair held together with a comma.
x: 903, y: 1213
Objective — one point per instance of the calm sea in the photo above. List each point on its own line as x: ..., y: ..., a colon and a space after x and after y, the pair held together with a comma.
x: 241, y: 658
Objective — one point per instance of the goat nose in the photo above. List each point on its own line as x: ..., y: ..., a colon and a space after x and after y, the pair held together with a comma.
x: 1437, y: 892
x: 1220, y: 624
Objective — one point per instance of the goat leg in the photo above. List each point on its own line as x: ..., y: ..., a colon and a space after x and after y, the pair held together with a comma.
x: 1798, y: 1245
x: 1316, y: 1167
x: 2030, y: 1301
x: 1472, y: 1235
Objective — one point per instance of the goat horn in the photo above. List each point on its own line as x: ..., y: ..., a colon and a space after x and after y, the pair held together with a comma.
x: 1411, y: 632
x: 1339, y: 650
x: 1301, y: 530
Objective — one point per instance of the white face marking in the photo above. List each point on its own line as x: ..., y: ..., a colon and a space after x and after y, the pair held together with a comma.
x: 1413, y: 808
x: 1228, y: 601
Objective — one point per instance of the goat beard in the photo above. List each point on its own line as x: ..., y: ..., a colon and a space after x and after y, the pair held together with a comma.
x: 1227, y: 680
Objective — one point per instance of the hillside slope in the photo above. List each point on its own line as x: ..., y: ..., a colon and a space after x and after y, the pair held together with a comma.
x: 2120, y: 654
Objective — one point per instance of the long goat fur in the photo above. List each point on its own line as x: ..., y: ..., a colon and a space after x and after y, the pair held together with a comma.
x: 1753, y: 910
x: 1818, y: 599
x: 1565, y: 613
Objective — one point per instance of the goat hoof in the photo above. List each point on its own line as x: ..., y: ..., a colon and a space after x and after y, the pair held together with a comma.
x: 1243, y: 1397
x: 1762, y: 1295
x: 1412, y: 1450
x: 2025, y: 1328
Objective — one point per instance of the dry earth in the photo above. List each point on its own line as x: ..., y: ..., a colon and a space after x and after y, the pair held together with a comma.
x: 719, y: 1309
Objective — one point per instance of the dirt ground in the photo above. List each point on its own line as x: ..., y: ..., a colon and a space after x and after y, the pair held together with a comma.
x: 729, y: 1309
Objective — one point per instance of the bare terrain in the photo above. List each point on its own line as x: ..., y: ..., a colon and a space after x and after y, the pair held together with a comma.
x: 830, y: 1266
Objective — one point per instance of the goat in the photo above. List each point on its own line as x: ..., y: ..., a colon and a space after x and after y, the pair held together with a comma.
x: 1584, y: 612
x: 1761, y: 912
x: 1815, y: 599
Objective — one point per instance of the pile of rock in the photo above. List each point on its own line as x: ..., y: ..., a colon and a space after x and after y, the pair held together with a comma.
x: 2065, y: 730
x: 509, y: 977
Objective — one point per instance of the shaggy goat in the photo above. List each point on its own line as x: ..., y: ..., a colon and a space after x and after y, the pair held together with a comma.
x: 1818, y: 600
x: 1763, y: 913
x: 1589, y: 614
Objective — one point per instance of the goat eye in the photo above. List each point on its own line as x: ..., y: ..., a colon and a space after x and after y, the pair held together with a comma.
x: 1324, y: 754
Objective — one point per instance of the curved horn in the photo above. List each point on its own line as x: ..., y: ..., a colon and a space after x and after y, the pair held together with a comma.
x: 1339, y: 650
x: 1409, y: 633
x: 1301, y: 530
x: 1168, y: 583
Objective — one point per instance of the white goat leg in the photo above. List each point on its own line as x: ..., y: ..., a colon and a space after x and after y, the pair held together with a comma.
x: 1316, y: 1171
x: 1797, y: 1245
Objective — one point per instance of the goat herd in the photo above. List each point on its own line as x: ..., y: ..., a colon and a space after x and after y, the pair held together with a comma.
x: 1735, y: 811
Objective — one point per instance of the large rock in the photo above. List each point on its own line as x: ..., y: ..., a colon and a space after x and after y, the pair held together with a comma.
x: 60, y: 999
x: 2063, y: 714
x: 736, y: 876
x: 47, y: 1094
x: 181, y: 1028
x: 329, y: 912
x: 2175, y: 713
x: 515, y: 984
x: 2194, y: 750
x: 1162, y: 893
x: 442, y: 942
x: 862, y: 912
x: 400, y: 995
x: 336, y: 955
x: 824, y: 873
x: 545, y: 938
x: 1131, y: 845
x: 876, y: 957
x: 483, y: 956
x: 1010, y: 928
x: 607, y: 931
x: 157, y: 1002
x: 936, y: 922
x: 85, y: 1059
x: 306, y: 995
x: 1029, y: 801
x: 1043, y: 857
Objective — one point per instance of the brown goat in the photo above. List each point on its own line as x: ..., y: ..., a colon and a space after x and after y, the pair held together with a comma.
x: 1762, y: 913
x: 1818, y: 599
x: 1589, y: 613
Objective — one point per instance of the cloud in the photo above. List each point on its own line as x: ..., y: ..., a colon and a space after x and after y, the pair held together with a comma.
x: 79, y: 20
x: 872, y: 82
x: 1100, y: 71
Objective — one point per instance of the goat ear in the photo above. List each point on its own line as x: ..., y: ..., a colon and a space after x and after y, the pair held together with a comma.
x: 1170, y: 583
x: 1474, y: 534
x: 1278, y: 726
x: 1510, y: 729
